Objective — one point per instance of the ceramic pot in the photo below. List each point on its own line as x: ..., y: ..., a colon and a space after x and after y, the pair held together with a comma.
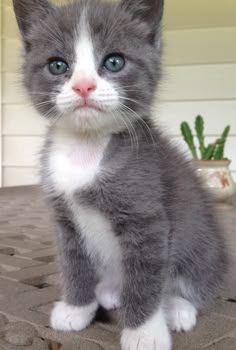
x: 217, y: 177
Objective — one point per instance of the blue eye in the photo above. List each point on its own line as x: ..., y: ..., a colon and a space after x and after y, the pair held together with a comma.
x: 58, y: 67
x: 114, y: 63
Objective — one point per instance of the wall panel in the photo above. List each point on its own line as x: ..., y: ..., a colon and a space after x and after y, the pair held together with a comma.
x: 22, y: 120
x: 14, y: 176
x: 21, y: 151
x: 217, y: 114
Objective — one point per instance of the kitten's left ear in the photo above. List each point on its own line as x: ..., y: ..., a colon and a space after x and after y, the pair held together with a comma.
x: 29, y: 12
x: 149, y: 11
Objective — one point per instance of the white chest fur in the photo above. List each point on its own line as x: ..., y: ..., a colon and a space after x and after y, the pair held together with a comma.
x: 104, y: 249
x: 74, y: 162
x: 100, y: 240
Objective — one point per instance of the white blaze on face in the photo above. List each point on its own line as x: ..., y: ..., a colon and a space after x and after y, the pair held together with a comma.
x: 85, y: 60
x: 104, y: 97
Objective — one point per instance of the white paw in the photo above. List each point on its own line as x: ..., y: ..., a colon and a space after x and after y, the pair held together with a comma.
x: 181, y: 315
x: 142, y: 341
x: 65, y: 317
x: 153, y: 335
x: 107, y: 297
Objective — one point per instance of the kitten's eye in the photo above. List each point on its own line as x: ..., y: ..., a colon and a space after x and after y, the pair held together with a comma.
x: 114, y: 63
x: 58, y: 67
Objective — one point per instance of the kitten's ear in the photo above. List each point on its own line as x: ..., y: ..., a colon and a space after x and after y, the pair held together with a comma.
x: 149, y: 11
x: 30, y: 11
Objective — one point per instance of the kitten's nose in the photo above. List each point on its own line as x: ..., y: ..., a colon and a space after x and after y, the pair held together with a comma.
x: 84, y: 87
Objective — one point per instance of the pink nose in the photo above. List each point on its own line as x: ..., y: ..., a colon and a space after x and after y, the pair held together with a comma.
x: 84, y: 87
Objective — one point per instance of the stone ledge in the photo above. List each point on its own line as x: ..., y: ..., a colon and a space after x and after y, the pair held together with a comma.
x: 29, y: 279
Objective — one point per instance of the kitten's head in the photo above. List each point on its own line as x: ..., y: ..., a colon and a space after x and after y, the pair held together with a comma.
x: 91, y: 65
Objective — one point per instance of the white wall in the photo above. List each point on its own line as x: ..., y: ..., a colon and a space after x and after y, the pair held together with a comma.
x: 200, y: 77
x: 22, y: 128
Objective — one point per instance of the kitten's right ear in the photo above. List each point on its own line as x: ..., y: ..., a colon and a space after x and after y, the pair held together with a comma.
x: 148, y: 11
x: 30, y: 11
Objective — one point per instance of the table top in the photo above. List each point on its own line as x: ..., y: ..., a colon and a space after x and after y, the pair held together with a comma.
x: 29, y: 279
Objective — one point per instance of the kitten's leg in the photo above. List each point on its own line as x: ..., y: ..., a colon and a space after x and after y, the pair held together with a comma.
x: 181, y: 315
x: 145, y: 270
x: 79, y: 306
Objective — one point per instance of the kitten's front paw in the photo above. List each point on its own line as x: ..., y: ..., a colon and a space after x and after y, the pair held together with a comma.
x: 133, y: 340
x: 152, y: 335
x: 65, y: 317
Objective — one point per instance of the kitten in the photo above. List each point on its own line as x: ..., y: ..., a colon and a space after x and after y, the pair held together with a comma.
x: 135, y: 229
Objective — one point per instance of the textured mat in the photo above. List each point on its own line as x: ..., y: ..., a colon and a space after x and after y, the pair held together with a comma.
x: 29, y: 278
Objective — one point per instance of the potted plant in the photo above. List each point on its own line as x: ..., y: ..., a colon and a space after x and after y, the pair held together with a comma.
x: 210, y: 161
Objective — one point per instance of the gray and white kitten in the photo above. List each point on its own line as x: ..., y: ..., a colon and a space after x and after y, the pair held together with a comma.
x: 135, y: 229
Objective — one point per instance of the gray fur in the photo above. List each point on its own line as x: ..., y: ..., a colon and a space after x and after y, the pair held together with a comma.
x: 162, y: 217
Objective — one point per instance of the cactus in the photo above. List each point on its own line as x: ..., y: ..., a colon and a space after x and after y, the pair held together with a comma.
x: 199, y: 127
x: 209, y: 151
x: 214, y: 151
x: 219, y: 153
x: 188, y: 137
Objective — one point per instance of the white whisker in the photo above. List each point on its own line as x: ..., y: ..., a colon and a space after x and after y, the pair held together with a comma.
x: 139, y: 119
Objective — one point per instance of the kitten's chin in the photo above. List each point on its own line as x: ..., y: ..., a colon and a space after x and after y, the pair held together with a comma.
x: 91, y: 120
x: 87, y: 113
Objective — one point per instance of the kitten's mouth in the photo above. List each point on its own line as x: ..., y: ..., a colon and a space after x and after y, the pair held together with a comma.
x: 88, y: 107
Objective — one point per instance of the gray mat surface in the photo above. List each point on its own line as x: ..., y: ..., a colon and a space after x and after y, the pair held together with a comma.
x: 29, y: 279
